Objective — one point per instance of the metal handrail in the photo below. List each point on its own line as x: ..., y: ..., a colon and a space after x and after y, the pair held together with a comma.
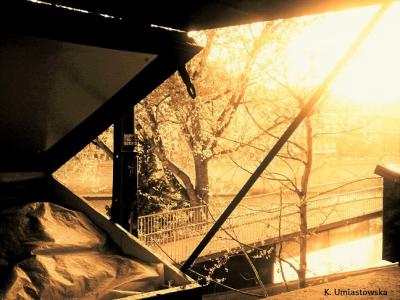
x: 179, y: 237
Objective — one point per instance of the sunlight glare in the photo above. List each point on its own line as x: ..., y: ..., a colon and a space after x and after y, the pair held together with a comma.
x: 350, y: 256
x: 373, y: 73
x: 371, y: 76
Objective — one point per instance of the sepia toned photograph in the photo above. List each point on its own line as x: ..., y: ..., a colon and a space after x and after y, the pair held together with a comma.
x: 208, y: 150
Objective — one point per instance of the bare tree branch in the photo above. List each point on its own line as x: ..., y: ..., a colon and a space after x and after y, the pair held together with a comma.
x: 267, y: 131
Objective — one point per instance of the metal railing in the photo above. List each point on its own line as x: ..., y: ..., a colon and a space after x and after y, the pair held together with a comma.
x: 326, y: 189
x: 179, y: 231
x: 174, y: 225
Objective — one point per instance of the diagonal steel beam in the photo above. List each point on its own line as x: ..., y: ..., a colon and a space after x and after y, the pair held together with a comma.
x: 286, y: 135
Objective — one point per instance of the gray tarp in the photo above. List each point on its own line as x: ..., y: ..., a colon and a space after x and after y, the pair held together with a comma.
x: 50, y: 252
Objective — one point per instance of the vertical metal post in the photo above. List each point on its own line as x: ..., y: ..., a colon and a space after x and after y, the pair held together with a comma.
x: 124, y: 198
x: 116, y: 186
x: 134, y: 173
x: 391, y: 212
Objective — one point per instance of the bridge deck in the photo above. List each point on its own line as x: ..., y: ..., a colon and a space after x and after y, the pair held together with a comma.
x: 178, y: 232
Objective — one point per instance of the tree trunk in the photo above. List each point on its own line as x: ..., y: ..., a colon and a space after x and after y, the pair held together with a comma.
x: 187, y: 183
x: 303, y: 244
x: 202, y: 185
x: 303, y: 204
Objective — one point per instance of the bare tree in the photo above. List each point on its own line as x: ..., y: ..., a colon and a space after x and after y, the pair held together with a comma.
x: 303, y: 156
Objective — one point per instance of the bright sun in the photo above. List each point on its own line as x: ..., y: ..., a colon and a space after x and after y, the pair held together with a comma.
x: 373, y: 75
